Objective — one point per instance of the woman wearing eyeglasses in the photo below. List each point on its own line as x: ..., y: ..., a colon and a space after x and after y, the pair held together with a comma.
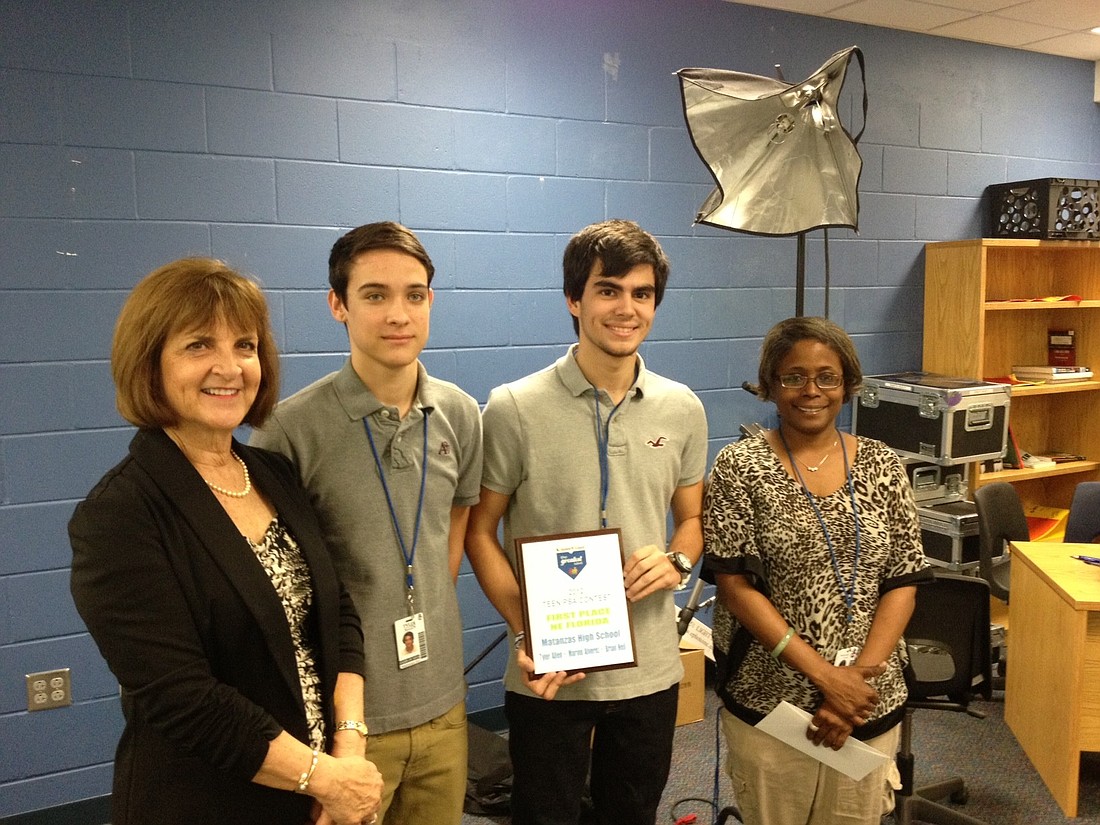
x: 813, y: 539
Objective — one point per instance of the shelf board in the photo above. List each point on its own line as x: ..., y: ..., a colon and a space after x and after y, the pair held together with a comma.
x: 1022, y: 306
x: 1069, y: 468
x: 1024, y: 390
x: 1019, y: 243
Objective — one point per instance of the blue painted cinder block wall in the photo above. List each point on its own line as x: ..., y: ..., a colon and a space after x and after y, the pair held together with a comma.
x: 133, y: 132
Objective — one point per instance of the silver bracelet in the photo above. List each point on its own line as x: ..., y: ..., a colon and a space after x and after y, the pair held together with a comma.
x: 303, y: 780
x: 517, y: 642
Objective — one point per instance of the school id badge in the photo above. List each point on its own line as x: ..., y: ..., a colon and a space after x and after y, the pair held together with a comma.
x: 846, y: 656
x: 411, y: 639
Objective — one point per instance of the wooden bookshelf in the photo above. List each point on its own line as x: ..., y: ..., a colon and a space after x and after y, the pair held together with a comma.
x: 984, y: 313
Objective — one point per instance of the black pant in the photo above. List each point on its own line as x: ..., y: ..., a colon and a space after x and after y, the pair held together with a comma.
x: 630, y: 754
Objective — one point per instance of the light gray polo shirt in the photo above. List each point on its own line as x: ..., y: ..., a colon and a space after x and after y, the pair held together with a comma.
x: 320, y: 429
x: 541, y: 450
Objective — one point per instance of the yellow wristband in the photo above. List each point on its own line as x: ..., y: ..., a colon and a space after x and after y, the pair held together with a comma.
x: 779, y: 648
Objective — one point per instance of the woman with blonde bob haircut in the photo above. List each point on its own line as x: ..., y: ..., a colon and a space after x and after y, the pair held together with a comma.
x: 201, y: 572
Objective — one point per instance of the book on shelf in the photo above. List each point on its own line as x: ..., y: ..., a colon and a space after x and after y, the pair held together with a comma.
x: 1059, y: 457
x: 1061, y: 349
x: 1045, y: 523
x: 1013, y: 454
x: 1042, y: 372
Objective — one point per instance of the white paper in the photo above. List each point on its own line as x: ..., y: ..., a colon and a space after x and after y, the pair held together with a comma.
x: 698, y: 635
x: 788, y: 724
x: 575, y: 603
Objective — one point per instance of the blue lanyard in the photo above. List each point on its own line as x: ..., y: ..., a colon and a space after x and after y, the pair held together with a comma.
x: 847, y: 593
x: 408, y: 553
x: 603, y: 437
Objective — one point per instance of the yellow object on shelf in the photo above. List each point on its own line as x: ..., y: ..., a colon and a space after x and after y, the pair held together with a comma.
x: 1046, y: 523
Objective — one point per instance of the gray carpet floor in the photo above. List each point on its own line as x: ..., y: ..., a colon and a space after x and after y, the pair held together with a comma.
x: 1004, y: 788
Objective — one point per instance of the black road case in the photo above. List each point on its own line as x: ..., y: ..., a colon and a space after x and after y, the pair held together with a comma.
x: 949, y: 531
x: 936, y: 418
x: 933, y: 484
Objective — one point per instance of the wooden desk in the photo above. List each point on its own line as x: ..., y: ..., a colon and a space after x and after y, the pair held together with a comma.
x: 1052, y: 691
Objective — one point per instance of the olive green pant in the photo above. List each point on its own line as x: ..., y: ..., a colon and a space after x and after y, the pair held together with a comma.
x: 424, y: 770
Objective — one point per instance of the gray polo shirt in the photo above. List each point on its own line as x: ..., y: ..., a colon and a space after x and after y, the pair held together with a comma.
x: 541, y: 450
x: 321, y: 429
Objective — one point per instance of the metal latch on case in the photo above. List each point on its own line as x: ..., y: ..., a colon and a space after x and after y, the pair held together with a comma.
x: 929, y: 406
x: 868, y: 396
x: 979, y: 417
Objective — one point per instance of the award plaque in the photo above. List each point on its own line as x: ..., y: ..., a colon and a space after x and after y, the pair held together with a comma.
x: 575, y: 612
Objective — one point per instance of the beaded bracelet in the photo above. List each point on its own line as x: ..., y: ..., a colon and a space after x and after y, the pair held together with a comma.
x: 303, y: 780
x: 779, y: 648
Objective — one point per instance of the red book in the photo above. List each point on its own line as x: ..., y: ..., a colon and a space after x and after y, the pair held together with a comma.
x: 1013, y: 453
x: 1061, y: 348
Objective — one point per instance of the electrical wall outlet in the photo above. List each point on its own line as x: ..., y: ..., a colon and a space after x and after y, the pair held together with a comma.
x: 49, y: 689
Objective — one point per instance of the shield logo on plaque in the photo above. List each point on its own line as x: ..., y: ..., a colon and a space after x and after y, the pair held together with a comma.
x: 571, y: 562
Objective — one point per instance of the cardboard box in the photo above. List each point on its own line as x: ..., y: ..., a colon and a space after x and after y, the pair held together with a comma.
x: 691, y: 707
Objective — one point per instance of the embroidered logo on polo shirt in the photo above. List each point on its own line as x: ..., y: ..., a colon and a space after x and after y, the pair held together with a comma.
x: 444, y: 448
x: 659, y: 441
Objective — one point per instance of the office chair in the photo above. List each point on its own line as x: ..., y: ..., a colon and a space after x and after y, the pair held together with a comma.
x: 1000, y: 519
x: 948, y: 641
x: 1083, y: 525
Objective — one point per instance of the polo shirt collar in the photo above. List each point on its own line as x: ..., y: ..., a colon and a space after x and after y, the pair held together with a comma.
x: 569, y: 372
x: 359, y: 402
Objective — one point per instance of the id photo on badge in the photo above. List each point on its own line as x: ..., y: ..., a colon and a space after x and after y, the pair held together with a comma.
x: 412, y: 645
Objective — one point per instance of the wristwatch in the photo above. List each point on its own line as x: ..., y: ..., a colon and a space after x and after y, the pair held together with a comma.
x: 353, y: 724
x: 683, y: 564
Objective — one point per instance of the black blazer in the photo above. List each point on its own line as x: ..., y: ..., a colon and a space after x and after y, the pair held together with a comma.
x: 190, y: 625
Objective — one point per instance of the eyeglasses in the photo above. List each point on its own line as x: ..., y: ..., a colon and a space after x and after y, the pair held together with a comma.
x: 823, y: 380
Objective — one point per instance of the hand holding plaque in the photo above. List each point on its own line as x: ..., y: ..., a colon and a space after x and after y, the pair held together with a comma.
x: 576, y: 616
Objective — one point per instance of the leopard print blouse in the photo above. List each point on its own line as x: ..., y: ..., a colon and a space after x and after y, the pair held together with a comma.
x: 758, y: 521
x: 282, y: 560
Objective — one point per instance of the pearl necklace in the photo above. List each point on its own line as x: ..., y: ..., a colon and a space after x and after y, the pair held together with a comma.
x: 820, y: 464
x: 234, y: 493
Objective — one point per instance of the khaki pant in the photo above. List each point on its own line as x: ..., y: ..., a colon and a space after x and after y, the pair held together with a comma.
x: 424, y: 770
x: 774, y: 784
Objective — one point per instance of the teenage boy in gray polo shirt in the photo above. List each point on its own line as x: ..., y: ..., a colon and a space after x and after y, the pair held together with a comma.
x: 391, y: 458
x: 596, y: 440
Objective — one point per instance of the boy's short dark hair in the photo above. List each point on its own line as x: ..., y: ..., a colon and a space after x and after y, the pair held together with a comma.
x: 619, y: 245
x: 381, y: 235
